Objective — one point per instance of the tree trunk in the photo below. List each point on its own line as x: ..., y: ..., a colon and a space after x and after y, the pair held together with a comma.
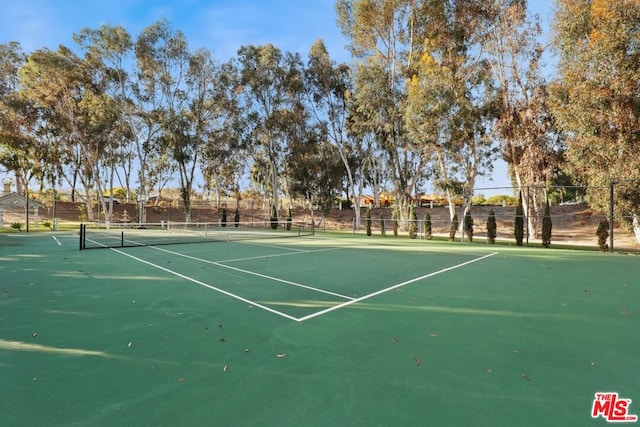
x: 526, y: 205
x: 636, y: 226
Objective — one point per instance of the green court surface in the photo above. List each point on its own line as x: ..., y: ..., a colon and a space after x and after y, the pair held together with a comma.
x: 313, y: 331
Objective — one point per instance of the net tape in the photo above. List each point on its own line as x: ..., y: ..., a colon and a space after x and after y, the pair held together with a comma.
x: 173, y: 233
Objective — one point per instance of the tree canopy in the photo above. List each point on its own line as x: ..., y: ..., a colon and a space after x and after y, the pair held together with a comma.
x: 434, y: 92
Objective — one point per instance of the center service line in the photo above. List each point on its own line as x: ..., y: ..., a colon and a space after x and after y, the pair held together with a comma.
x: 382, y: 291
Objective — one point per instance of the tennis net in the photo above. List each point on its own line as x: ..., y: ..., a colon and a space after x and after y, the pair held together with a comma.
x: 97, y: 236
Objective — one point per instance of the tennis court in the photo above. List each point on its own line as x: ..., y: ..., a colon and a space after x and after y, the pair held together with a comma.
x: 313, y: 330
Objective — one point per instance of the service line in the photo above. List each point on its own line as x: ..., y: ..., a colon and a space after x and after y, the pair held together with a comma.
x: 253, y: 273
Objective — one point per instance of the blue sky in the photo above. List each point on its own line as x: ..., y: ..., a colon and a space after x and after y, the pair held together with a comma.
x: 221, y: 26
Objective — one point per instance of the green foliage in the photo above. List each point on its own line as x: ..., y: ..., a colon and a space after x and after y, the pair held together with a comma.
x: 518, y: 228
x: 413, y: 222
x: 468, y: 226
x: 603, y: 234
x: 478, y: 200
x: 500, y: 199
x: 17, y: 225
x: 368, y: 222
x: 289, y: 220
x: 274, y: 217
x: 454, y: 227
x: 427, y: 226
x: 224, y: 217
x: 48, y: 224
x: 546, y: 226
x: 382, y: 230
x: 595, y: 98
x: 492, y: 228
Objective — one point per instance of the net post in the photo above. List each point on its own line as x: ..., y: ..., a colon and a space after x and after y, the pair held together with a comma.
x: 122, y: 239
x: 81, y: 239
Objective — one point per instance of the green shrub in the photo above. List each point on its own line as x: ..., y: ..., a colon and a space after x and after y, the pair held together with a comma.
x: 454, y: 227
x: 492, y: 228
x: 603, y: 234
x: 382, y: 231
x: 518, y: 228
x: 48, y: 224
x: 546, y: 226
x: 18, y: 226
x: 274, y: 217
x: 468, y: 226
x: 413, y: 222
x: 427, y: 226
x: 368, y: 222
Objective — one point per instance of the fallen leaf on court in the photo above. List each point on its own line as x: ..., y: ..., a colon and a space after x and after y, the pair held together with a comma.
x: 222, y: 340
x: 224, y: 368
x: 488, y: 370
x: 35, y: 334
x: 281, y: 355
x: 395, y: 340
x: 417, y: 360
x: 130, y: 344
x: 433, y: 334
x: 516, y: 351
x: 525, y: 377
x: 181, y: 380
x: 592, y: 363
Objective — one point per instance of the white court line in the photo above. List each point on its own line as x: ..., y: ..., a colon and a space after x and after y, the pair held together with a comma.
x: 57, y: 241
x: 278, y: 255
x: 264, y: 276
x: 279, y: 313
x: 191, y: 279
x: 382, y: 291
x: 264, y: 245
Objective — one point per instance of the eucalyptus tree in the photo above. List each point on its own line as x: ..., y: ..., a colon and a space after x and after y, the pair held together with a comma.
x: 108, y: 56
x: 180, y: 83
x: 224, y: 152
x: 382, y: 37
x: 524, y: 125
x: 597, y: 98
x: 16, y: 120
x: 446, y: 113
x: 27, y: 147
x: 270, y: 89
x: 77, y: 111
x: 329, y: 92
x: 315, y: 169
